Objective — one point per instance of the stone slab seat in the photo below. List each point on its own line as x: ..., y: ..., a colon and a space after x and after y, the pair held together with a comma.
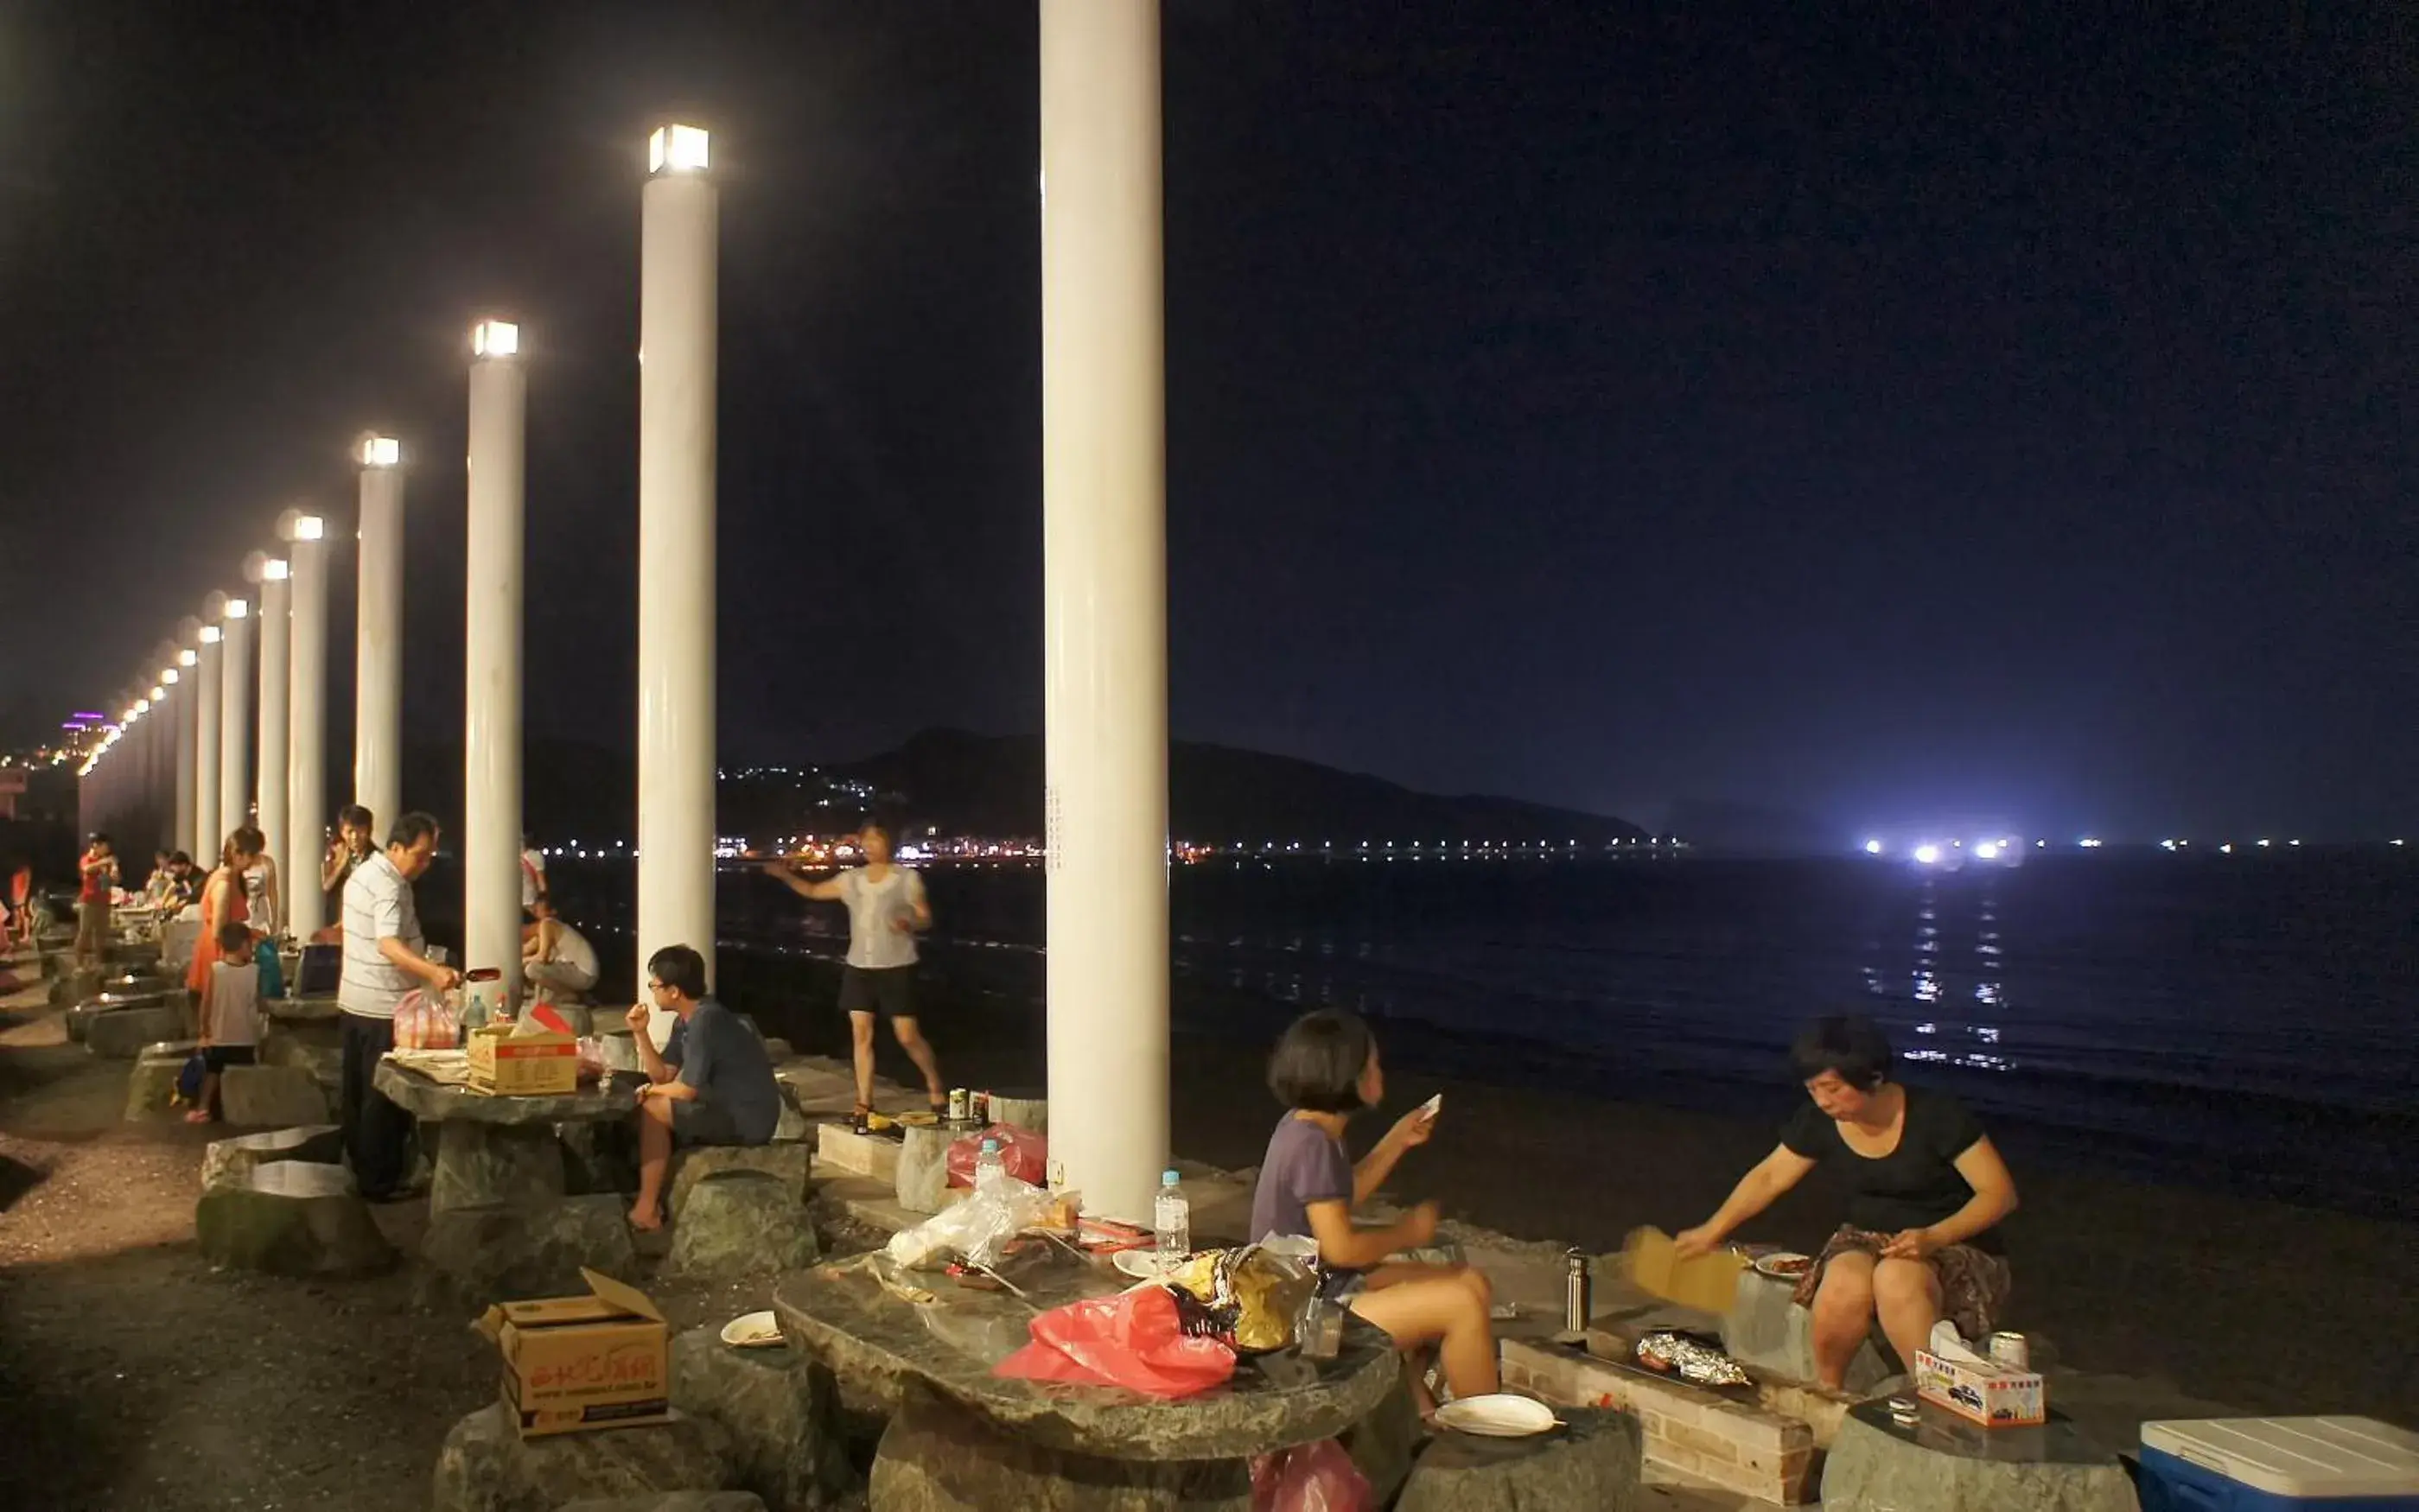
x: 1946, y: 1464
x: 228, y: 1162
x: 1592, y: 1462
x: 742, y: 1223
x: 791, y: 1163
x: 151, y: 1088
x: 783, y: 1414
x: 266, y: 1097
x: 120, y: 1033
x: 291, y: 1217
x: 486, y: 1466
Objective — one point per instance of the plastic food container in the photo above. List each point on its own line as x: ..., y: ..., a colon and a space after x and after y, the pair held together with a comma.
x: 2271, y: 1464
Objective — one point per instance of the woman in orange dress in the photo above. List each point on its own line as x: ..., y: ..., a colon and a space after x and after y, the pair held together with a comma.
x: 221, y: 903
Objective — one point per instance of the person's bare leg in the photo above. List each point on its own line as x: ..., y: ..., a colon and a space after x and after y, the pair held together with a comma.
x: 1906, y: 1297
x: 1843, y: 1312
x: 654, y: 1159
x: 860, y: 1032
x: 1448, y: 1306
x: 920, y: 1050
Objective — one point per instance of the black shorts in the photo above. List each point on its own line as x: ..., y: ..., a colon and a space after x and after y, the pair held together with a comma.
x: 888, y: 990
x: 217, y: 1058
x: 695, y: 1122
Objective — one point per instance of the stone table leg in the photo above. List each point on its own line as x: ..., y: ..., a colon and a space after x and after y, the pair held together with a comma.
x: 1952, y: 1466
x: 489, y: 1163
x: 938, y: 1457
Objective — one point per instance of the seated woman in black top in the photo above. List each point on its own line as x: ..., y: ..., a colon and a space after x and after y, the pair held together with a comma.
x: 1925, y: 1188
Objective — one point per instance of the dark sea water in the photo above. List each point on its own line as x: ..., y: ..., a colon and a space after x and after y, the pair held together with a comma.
x: 2242, y: 1023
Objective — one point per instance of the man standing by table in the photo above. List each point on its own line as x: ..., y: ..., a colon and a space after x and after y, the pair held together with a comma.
x: 711, y: 1084
x: 385, y: 957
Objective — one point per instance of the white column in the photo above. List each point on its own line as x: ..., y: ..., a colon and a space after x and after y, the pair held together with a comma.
x: 159, y: 755
x: 378, y: 667
x: 187, y: 692
x: 269, y: 782
x: 491, y: 734
x: 208, y: 834
x: 1104, y: 600
x: 235, y: 716
x: 676, y: 552
x: 306, y: 777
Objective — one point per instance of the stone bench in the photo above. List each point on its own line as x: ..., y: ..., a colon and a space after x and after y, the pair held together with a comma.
x: 151, y: 1088
x: 486, y: 1466
x: 1592, y: 1462
x: 742, y: 1222
x: 121, y: 1033
x: 291, y: 1217
x: 781, y: 1414
x: 1945, y: 1464
x: 1772, y: 1336
x: 228, y: 1162
x: 262, y: 1096
x: 791, y: 1163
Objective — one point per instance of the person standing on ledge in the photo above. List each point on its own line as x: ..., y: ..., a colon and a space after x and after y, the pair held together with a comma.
x: 385, y: 957
x: 886, y: 909
x: 1925, y: 1189
x: 99, y: 869
x: 711, y: 1083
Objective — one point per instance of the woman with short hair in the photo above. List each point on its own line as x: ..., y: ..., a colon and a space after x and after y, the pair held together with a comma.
x: 1926, y: 1189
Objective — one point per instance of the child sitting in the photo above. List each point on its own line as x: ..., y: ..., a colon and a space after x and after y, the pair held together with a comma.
x: 1325, y: 1069
x: 230, y: 1015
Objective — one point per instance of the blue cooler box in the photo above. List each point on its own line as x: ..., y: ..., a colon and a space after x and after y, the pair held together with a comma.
x: 2274, y: 1464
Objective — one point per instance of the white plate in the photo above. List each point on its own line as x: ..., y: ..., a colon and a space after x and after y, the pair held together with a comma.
x: 1770, y: 1265
x: 1502, y: 1415
x: 1142, y: 1264
x: 750, y: 1331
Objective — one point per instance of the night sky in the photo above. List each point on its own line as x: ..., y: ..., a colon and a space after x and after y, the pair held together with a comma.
x: 1885, y: 417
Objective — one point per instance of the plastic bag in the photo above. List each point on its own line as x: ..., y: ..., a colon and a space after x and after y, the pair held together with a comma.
x: 977, y: 1229
x: 592, y: 1059
x: 272, y: 970
x: 1310, y: 1477
x: 1022, y: 1155
x: 1133, y: 1339
x: 425, y: 1021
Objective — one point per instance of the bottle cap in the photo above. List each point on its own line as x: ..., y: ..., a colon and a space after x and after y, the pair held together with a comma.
x: 1168, y: 1178
x: 990, y: 1146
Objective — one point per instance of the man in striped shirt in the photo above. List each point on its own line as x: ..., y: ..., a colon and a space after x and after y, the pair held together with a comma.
x: 385, y: 957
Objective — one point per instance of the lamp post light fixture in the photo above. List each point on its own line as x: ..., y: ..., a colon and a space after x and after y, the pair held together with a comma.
x: 376, y: 451
x: 677, y: 150
x: 495, y: 338
x: 188, y: 657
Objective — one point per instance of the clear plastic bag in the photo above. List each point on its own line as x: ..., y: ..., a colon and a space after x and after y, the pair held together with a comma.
x: 426, y: 1021
x: 977, y: 1229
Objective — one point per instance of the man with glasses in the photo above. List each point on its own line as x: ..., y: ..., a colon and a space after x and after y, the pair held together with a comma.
x: 711, y: 1083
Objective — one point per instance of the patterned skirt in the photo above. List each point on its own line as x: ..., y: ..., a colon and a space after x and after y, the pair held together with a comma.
x: 1973, y: 1286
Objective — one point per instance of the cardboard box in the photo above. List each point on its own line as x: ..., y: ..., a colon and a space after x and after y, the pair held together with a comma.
x: 1990, y: 1395
x: 544, y: 1064
x: 575, y: 1363
x: 1709, y: 1283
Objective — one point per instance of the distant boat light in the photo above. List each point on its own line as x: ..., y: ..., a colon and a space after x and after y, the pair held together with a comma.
x: 1927, y: 855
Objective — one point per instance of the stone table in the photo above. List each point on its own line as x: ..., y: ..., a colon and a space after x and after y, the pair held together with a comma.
x: 308, y: 1034
x: 957, y: 1424
x: 1947, y: 1463
x: 1592, y: 1460
x: 498, y: 1148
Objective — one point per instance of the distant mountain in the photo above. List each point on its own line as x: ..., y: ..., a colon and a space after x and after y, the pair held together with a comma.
x: 970, y: 784
x: 963, y: 782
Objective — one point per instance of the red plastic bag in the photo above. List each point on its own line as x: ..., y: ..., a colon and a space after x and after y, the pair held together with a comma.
x: 1310, y: 1477
x: 1133, y: 1339
x: 1022, y: 1154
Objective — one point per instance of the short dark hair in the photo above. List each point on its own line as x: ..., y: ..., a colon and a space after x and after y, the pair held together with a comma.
x: 681, y: 968
x: 410, y: 829
x: 101, y: 837
x: 180, y: 859
x: 1318, y: 1062
x: 356, y: 815
x: 235, y: 937
x: 1848, y: 1044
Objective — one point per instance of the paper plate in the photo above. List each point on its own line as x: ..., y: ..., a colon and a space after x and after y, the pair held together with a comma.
x: 1787, y: 1265
x: 754, y: 1330
x: 1142, y: 1264
x: 1502, y: 1415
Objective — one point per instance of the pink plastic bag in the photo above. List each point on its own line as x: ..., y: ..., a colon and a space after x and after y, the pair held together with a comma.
x: 1022, y: 1154
x: 1133, y: 1339
x: 424, y: 1021
x: 1310, y: 1477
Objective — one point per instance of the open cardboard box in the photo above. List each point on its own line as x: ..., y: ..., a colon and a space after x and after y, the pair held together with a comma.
x: 1986, y: 1393
x: 575, y: 1363
x: 544, y: 1065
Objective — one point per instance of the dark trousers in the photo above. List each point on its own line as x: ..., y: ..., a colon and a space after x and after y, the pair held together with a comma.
x: 376, y: 1132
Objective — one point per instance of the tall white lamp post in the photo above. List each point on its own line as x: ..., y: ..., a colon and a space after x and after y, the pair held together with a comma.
x: 491, y: 744
x: 208, y: 833
x: 235, y: 716
x: 306, y: 777
x: 377, y: 667
x: 271, y: 793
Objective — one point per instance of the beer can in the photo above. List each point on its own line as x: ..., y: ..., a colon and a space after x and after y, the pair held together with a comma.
x: 982, y: 1107
x: 2012, y: 1351
x: 957, y: 1105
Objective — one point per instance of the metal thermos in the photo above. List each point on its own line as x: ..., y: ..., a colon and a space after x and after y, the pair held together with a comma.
x: 2011, y: 1350
x: 1579, y: 1292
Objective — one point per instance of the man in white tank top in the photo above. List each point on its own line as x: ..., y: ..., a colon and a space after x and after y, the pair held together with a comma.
x: 886, y: 910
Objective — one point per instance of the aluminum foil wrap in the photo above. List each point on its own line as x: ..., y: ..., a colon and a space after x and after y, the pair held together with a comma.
x: 1700, y: 1365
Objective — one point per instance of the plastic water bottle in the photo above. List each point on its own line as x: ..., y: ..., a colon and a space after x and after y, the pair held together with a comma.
x: 988, y: 1168
x: 1172, y: 1217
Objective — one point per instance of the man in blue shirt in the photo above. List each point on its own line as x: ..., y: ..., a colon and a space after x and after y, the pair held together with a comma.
x: 711, y: 1083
